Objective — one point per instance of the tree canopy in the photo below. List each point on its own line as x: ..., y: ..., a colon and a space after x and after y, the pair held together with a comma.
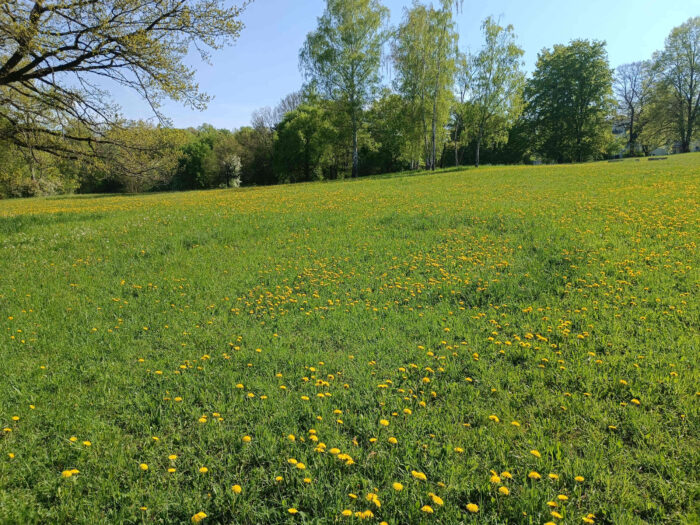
x: 342, y: 57
x: 58, y: 57
x: 569, y: 99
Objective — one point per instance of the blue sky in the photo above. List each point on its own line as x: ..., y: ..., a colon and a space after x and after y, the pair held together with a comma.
x: 263, y: 66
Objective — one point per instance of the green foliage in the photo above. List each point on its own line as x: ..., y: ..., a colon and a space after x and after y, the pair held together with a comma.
x: 52, y: 51
x: 569, y: 101
x: 341, y: 58
x: 302, y: 141
x: 124, y: 318
x: 678, y: 66
x: 391, y: 129
x: 494, y: 81
x: 424, y: 51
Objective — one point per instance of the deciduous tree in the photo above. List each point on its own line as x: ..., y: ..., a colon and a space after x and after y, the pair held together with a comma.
x: 342, y: 57
x: 678, y: 65
x: 569, y: 99
x: 58, y: 56
x: 494, y: 82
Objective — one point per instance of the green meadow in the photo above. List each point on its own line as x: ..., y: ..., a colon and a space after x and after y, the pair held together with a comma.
x: 501, y: 345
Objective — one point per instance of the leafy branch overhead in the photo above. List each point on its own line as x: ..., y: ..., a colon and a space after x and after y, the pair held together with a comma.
x: 56, y: 56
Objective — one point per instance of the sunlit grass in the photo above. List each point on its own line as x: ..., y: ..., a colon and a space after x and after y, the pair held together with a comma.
x: 501, y: 345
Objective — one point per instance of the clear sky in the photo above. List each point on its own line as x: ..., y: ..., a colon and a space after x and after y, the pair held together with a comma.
x: 263, y: 65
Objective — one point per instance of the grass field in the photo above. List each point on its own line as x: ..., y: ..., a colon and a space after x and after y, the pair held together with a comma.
x: 507, y: 345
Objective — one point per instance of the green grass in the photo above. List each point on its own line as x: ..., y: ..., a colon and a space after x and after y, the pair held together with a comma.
x: 545, y: 286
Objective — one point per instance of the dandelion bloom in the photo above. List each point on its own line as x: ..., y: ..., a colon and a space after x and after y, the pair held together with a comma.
x: 393, y: 440
x: 427, y: 509
x: 143, y: 466
x: 384, y: 422
x: 579, y: 478
x: 437, y: 499
x: 198, y: 517
x: 536, y: 453
x: 203, y: 470
x: 246, y: 439
x: 473, y: 508
x: 347, y: 513
x: 292, y: 510
x: 418, y: 475
x: 504, y: 491
x: 237, y: 489
x: 397, y: 486
x: 534, y: 475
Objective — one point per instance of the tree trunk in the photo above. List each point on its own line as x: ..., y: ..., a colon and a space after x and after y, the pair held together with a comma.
x: 355, y: 154
x: 478, y: 147
x: 632, y: 140
x: 434, y: 156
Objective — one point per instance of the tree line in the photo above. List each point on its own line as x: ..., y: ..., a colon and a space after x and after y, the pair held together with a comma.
x: 442, y: 107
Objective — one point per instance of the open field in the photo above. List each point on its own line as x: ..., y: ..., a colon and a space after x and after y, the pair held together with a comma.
x: 510, y: 345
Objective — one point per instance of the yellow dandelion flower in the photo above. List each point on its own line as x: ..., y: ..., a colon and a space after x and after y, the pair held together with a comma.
x: 198, y: 517
x: 504, y: 491
x: 473, y: 508
x: 418, y: 475
x: 427, y: 509
x: 143, y: 466
x: 237, y: 489
x: 397, y: 486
